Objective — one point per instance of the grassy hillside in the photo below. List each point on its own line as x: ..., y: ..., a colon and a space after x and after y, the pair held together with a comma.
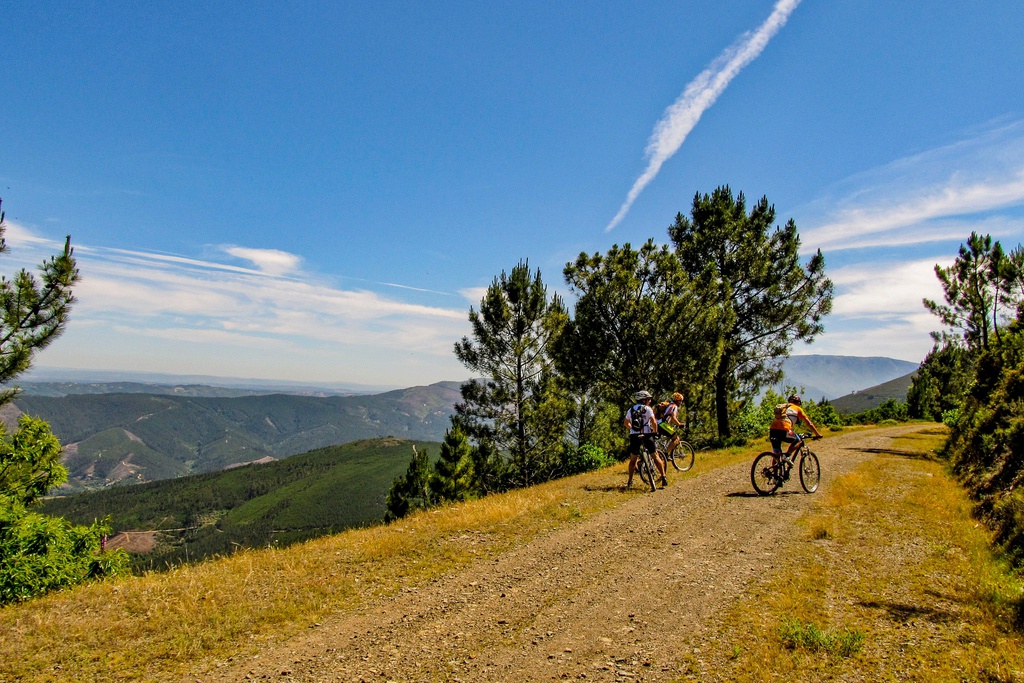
x: 114, y: 438
x: 278, y: 503
x: 875, y: 396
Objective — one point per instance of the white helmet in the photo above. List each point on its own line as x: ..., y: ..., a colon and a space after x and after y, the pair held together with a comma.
x: 642, y: 396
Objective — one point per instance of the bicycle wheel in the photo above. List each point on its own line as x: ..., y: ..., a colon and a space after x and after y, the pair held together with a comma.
x: 810, y: 472
x: 682, y: 458
x: 764, y: 474
x: 645, y: 467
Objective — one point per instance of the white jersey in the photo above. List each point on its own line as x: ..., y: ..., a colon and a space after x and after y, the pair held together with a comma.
x: 645, y: 415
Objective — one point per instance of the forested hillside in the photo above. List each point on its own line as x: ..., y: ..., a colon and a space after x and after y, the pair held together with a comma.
x: 305, y: 496
x: 872, y: 397
x: 122, y: 438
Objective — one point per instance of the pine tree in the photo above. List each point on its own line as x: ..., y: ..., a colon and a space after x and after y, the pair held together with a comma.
x: 410, y: 491
x: 768, y: 299
x: 640, y: 322
x: 32, y: 313
x: 513, y: 404
x: 453, y: 472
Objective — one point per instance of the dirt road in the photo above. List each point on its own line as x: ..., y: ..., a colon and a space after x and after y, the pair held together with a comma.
x: 625, y: 595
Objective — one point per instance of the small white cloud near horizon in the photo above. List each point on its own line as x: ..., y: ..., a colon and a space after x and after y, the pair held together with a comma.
x: 882, y: 290
x: 681, y: 116
x: 473, y: 295
x: 270, y: 261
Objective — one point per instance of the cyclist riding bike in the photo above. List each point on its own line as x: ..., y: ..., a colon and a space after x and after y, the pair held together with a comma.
x: 788, y: 415
x: 642, y: 427
x: 671, y: 424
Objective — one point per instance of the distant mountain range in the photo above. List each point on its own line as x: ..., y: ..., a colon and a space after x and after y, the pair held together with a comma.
x: 137, y: 437
x: 833, y: 376
x: 872, y: 397
x: 131, y: 431
x: 49, y: 379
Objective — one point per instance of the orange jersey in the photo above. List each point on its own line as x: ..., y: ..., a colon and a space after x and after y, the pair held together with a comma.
x: 790, y: 417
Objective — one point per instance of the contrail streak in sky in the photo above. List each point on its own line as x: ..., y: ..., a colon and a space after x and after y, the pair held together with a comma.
x: 680, y: 117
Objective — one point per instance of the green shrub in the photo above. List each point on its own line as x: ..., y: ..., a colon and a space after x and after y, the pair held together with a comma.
x: 39, y: 553
x: 807, y: 636
x: 585, y: 458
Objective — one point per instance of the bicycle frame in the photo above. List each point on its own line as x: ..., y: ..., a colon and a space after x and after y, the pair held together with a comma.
x: 770, y: 471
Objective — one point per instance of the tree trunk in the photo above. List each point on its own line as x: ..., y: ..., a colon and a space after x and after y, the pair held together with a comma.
x: 722, y: 396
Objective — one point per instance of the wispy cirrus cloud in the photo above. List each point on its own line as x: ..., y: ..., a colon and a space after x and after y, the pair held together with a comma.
x: 974, y: 184
x: 682, y: 115
x: 891, y: 225
x: 259, y: 318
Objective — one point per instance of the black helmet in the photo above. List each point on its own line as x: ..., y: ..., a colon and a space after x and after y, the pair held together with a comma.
x: 795, y: 398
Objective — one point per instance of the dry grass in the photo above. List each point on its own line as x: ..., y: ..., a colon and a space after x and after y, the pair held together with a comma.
x: 892, y: 559
x: 156, y: 626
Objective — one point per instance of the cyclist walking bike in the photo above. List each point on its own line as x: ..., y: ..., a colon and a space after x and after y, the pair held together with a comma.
x: 643, y: 455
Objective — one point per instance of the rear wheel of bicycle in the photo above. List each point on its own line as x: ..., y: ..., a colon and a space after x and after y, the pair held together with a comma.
x: 810, y: 472
x: 764, y: 474
x: 645, y: 466
x: 682, y: 458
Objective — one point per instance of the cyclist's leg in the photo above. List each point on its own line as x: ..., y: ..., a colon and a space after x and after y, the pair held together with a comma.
x: 776, y: 437
x: 659, y: 462
x: 794, y: 443
x: 634, y: 452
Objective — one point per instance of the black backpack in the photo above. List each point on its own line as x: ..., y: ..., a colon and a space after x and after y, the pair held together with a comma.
x: 636, y: 418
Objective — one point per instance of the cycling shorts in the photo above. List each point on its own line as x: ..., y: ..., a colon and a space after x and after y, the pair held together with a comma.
x: 665, y: 429
x: 644, y: 440
x: 779, y: 436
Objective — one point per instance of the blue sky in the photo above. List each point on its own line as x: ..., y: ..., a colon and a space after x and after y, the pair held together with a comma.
x: 319, y: 191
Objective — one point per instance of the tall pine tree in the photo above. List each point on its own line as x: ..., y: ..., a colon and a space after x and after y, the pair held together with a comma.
x: 410, y: 491
x: 513, y: 403
x: 769, y: 299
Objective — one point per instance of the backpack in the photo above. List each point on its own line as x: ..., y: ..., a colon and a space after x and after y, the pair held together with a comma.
x: 780, y: 411
x: 659, y: 410
x: 636, y: 418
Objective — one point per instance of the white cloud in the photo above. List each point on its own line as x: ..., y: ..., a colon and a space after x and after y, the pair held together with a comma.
x: 272, y: 261
x: 682, y: 115
x: 885, y: 289
x: 474, y: 295
x: 905, y: 339
x: 924, y: 198
x: 272, y: 321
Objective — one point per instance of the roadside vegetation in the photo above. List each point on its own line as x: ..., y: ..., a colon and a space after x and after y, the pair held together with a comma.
x: 971, y: 381
x: 38, y: 553
x: 893, y: 579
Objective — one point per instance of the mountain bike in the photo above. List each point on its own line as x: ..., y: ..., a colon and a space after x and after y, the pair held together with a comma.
x: 771, y: 470
x: 682, y: 457
x: 646, y: 469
